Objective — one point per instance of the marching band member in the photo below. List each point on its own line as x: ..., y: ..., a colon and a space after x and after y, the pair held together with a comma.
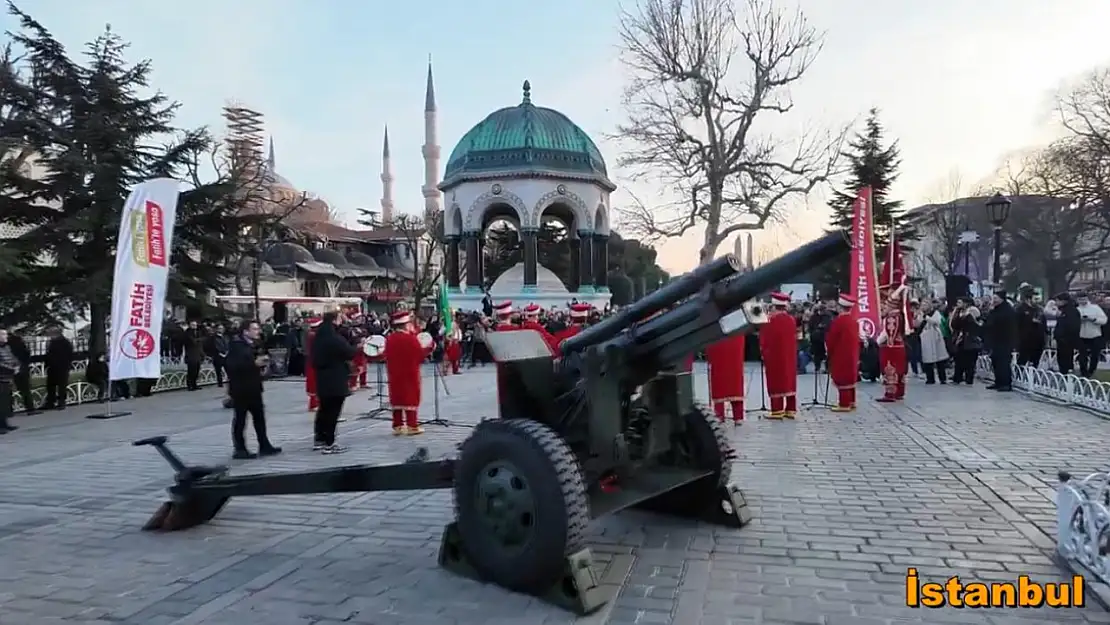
x: 842, y: 344
x: 403, y: 357
x: 504, y: 314
x: 358, y: 363
x: 579, y: 313
x: 778, y: 344
x: 452, y: 351
x: 532, y: 322
x: 892, y: 351
x: 309, y: 370
x: 726, y: 376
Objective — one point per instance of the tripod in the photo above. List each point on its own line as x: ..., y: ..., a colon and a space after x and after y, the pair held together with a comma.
x: 816, y: 376
x: 379, y: 384
x: 762, y: 392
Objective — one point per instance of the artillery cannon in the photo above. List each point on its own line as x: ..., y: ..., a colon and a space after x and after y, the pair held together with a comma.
x: 610, y: 425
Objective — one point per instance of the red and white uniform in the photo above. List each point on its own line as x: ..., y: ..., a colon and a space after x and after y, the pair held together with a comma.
x: 532, y: 322
x: 842, y: 344
x: 579, y: 313
x: 726, y: 376
x: 892, y: 353
x: 403, y: 357
x: 452, y: 351
x: 778, y: 344
x: 359, y: 364
x: 309, y: 369
x: 504, y: 314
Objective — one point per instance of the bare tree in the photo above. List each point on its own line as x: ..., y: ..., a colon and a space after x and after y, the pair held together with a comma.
x: 423, y: 241
x: 692, y: 117
x: 941, y: 225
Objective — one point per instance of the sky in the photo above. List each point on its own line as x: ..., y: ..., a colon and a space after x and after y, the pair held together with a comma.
x: 960, y: 84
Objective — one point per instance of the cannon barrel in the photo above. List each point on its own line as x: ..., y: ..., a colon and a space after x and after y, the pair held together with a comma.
x: 696, y: 324
x: 651, y: 303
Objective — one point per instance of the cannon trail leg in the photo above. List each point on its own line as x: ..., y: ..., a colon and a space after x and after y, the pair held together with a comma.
x: 713, y: 498
x: 187, y: 507
x: 521, y: 516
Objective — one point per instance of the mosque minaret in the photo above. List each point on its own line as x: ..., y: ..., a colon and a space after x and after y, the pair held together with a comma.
x: 430, y: 150
x: 387, y: 182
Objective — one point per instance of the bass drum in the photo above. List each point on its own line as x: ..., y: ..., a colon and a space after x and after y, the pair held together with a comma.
x: 374, y: 346
x: 426, y: 340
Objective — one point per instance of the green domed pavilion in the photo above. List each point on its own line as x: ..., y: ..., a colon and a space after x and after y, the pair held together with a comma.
x: 528, y: 164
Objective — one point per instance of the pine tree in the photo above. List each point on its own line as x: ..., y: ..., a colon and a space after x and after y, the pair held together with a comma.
x: 96, y: 135
x: 873, y: 164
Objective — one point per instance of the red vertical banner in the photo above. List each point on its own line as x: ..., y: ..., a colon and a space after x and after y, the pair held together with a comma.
x: 864, y: 276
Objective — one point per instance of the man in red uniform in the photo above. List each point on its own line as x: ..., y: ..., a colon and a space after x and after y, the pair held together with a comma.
x: 403, y: 357
x: 503, y: 312
x: 358, y: 363
x: 842, y: 345
x: 778, y: 344
x: 726, y: 376
x: 309, y: 370
x: 579, y: 313
x: 532, y: 322
x: 452, y: 351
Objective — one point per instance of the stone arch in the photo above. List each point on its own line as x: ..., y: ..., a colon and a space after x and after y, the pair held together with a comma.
x: 562, y: 195
x: 601, y: 220
x: 475, y: 215
x: 453, y: 224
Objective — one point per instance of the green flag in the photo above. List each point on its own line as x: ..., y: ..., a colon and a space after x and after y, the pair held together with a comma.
x: 445, y: 312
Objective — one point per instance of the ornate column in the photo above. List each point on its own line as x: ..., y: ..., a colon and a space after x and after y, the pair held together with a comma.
x: 481, y: 259
x: 473, y: 263
x: 586, y: 262
x: 601, y: 262
x: 528, y: 240
x: 575, y: 264
x: 451, y: 263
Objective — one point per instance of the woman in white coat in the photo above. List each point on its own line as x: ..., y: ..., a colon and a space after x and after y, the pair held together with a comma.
x: 934, y: 351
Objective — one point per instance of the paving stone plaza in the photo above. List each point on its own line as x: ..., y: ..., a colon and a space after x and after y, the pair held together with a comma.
x: 956, y: 481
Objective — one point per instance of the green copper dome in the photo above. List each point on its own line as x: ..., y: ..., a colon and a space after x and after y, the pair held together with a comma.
x: 525, y: 139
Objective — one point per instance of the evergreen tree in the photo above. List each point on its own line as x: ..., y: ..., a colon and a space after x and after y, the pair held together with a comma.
x: 94, y: 135
x: 873, y: 163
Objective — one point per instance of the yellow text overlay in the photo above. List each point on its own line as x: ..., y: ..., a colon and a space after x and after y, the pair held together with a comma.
x: 1020, y: 593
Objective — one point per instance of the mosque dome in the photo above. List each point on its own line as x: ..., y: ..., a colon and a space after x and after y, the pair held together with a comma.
x: 513, y: 278
x: 286, y: 255
x: 331, y: 257
x: 365, y: 261
x: 526, y: 139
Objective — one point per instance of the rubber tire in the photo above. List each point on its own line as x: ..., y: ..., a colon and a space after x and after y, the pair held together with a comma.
x: 712, y: 448
x: 552, y: 471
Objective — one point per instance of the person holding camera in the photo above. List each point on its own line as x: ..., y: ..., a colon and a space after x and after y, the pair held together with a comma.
x: 245, y: 364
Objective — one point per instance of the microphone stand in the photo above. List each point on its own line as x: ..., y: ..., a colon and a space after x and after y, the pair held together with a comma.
x: 437, y: 382
x: 762, y: 392
x: 383, y: 407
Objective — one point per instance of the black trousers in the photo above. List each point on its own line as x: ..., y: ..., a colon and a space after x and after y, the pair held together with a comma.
x: 192, y: 374
x: 1090, y: 353
x: 1001, y: 360
x: 1030, y: 354
x: 1065, y: 357
x: 22, y: 384
x: 327, y: 418
x: 253, y: 405
x: 56, y: 382
x: 964, y: 369
x: 5, y: 403
x: 935, y: 371
x: 218, y: 365
x: 817, y: 351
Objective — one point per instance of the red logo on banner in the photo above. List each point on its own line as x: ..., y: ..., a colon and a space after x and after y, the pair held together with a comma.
x: 155, y: 234
x: 137, y: 344
x: 141, y: 307
x: 864, y: 277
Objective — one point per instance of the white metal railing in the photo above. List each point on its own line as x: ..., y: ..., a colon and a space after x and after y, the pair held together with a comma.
x: 1067, y: 389
x: 38, y: 369
x: 1083, y: 524
x: 81, y: 392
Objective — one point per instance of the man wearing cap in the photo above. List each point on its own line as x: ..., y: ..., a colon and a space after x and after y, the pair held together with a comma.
x: 578, y: 315
x: 726, y: 376
x: 532, y: 322
x: 403, y: 357
x: 842, y: 343
x: 309, y: 370
x: 504, y: 314
x: 778, y: 344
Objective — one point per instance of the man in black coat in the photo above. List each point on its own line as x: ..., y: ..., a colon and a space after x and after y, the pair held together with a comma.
x: 1001, y: 332
x: 23, y: 376
x: 1030, y: 329
x: 59, y: 360
x: 244, y: 377
x: 194, y: 355
x: 1066, y: 332
x: 330, y: 356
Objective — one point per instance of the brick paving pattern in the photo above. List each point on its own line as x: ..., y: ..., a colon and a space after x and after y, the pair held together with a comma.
x: 955, y: 481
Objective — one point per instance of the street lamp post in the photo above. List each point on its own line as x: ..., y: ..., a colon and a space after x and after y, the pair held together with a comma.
x: 255, y: 273
x: 998, y: 211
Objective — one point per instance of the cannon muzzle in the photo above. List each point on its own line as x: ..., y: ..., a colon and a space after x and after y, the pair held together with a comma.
x: 661, y: 299
x: 709, y: 316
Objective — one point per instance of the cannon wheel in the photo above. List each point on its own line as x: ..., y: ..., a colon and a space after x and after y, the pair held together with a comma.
x: 520, y: 503
x: 705, y: 445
